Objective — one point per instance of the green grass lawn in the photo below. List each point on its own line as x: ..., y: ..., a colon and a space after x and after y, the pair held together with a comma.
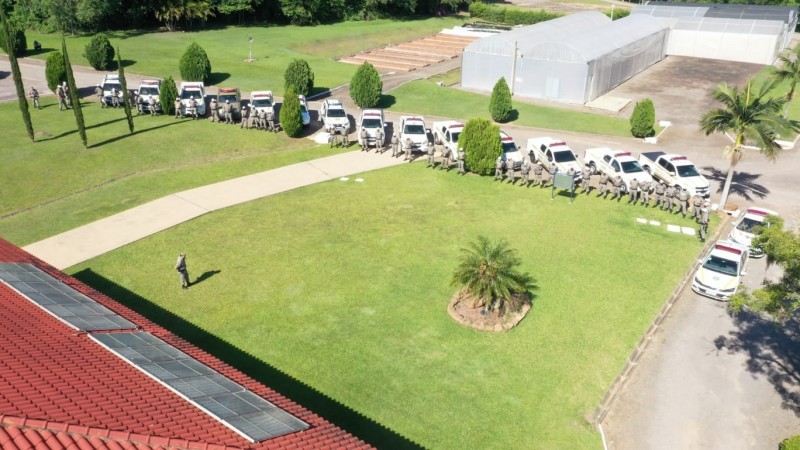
x: 342, y: 287
x: 56, y: 184
x: 426, y: 97
x: 273, y: 47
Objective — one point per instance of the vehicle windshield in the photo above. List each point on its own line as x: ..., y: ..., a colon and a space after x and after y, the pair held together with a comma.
x: 747, y: 224
x: 336, y: 113
x: 722, y: 265
x: 509, y: 147
x: 223, y: 98
x: 688, y: 171
x: 564, y: 157
x: 454, y: 136
x: 186, y: 95
x: 261, y: 103
x: 148, y: 90
x: 414, y: 129
x: 631, y: 167
x: 109, y: 86
x: 371, y: 123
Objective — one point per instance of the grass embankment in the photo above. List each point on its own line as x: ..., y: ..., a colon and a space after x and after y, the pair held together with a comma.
x: 55, y: 184
x: 274, y: 47
x: 426, y: 97
x: 344, y: 286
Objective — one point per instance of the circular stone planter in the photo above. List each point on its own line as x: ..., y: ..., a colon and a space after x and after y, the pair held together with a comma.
x: 461, y: 310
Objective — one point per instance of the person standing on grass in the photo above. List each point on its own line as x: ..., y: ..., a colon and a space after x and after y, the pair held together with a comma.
x: 538, y: 169
x: 35, y: 97
x: 525, y: 171
x: 180, y: 267
x: 462, y: 156
x: 603, y: 185
x: 395, y: 145
x: 703, y: 220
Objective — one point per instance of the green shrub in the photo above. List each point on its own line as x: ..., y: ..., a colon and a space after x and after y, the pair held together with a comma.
x: 54, y: 70
x: 99, y: 52
x: 366, y: 86
x: 167, y: 96
x: 511, y: 16
x: 481, y: 142
x: 299, y: 75
x: 618, y: 13
x: 643, y: 119
x: 500, y: 103
x: 290, y: 117
x: 790, y: 443
x: 194, y: 65
x: 20, y: 42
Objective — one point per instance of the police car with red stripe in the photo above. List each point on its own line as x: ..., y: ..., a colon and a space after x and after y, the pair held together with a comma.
x: 743, y: 232
x: 721, y: 270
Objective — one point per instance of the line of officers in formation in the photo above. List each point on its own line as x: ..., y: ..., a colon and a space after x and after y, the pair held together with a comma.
x: 407, y: 148
x: 668, y: 198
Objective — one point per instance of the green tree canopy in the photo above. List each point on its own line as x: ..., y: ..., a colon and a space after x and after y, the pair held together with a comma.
x: 753, y: 117
x: 194, y: 64
x: 169, y: 92
x: 643, y: 119
x: 99, y: 52
x: 5, y: 34
x: 299, y: 75
x: 17, y: 35
x: 500, y: 104
x: 490, y: 272
x: 481, y: 142
x: 291, y: 117
x: 789, y: 69
x: 780, y: 299
x: 54, y: 70
x: 366, y: 86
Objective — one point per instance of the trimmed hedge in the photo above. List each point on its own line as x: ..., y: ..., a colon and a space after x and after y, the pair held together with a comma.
x: 20, y: 41
x: 618, y: 13
x: 194, y: 64
x: 500, y: 104
x: 169, y: 92
x: 366, y: 86
x: 290, y: 117
x: 511, y: 16
x: 790, y: 443
x: 99, y: 52
x: 643, y: 119
x: 299, y: 75
x: 55, y: 72
x: 481, y: 142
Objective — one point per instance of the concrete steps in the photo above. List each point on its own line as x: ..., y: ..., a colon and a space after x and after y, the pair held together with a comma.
x: 412, y: 55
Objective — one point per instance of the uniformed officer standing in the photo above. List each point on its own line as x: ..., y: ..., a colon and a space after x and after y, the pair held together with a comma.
x: 431, y: 150
x: 98, y: 91
x: 245, y: 117
x: 180, y: 266
x: 697, y: 203
x: 498, y: 168
x: 603, y: 185
x: 445, y: 158
x: 271, y: 125
x: 553, y: 171
x: 60, y: 97
x: 462, y: 163
x: 645, y: 187
x: 193, y: 107
x: 703, y: 220
x: 67, y: 98
x: 35, y: 97
x: 586, y: 178
x: 407, y: 147
x: 633, y: 192
x: 683, y: 199
x: 525, y: 172
x: 670, y: 196
x: 379, y: 138
x: 510, y: 172
x: 660, y: 191
x: 616, y: 184
x: 177, y: 108
x: 228, y: 112
x: 213, y: 106
x: 362, y: 135
x: 395, y: 145
x: 538, y: 169
x: 114, y: 97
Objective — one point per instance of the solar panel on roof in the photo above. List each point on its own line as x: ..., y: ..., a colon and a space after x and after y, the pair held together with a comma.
x: 60, y: 300
x: 239, y: 409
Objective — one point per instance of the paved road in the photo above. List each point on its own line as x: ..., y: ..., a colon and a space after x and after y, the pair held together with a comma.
x: 686, y: 393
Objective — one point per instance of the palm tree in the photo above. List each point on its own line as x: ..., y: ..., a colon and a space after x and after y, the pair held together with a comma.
x: 489, y: 272
x: 789, y: 70
x: 751, y: 117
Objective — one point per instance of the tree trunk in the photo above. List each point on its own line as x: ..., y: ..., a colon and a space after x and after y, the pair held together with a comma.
x: 726, y: 188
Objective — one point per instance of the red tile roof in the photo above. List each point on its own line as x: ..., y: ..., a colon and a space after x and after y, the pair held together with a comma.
x: 60, y: 390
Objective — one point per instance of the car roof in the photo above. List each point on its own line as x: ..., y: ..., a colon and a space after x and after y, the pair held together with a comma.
x: 758, y: 214
x: 728, y: 250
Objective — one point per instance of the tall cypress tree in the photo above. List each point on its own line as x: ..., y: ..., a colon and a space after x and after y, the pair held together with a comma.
x: 73, y: 94
x: 126, y: 97
x: 23, y: 102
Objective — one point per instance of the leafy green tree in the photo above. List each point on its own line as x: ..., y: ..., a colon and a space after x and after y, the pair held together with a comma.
x: 16, y: 36
x: 643, y: 119
x: 790, y: 443
x: 481, y: 142
x: 99, y: 52
x: 73, y: 94
x: 366, y: 86
x: 788, y: 70
x: 194, y: 64
x: 96, y: 14
x: 490, y: 272
x: 299, y: 75
x: 23, y: 102
x: 290, y: 115
x: 169, y: 92
x: 500, y: 104
x: 54, y: 70
x: 780, y: 299
x: 126, y: 96
x: 753, y: 118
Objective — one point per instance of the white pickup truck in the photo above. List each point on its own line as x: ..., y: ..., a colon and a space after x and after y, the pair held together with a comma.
x: 413, y: 127
x: 510, y: 150
x: 613, y: 163
x: 446, y: 133
x: 550, y: 151
x: 675, y: 170
x: 189, y: 91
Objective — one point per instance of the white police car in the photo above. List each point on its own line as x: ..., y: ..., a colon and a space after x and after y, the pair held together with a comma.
x: 304, y: 110
x: 721, y: 270
x: 742, y: 232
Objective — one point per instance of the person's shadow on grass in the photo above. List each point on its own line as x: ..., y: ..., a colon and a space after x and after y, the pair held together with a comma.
x: 205, y: 275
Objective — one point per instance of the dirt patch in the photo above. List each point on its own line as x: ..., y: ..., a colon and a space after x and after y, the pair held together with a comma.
x: 461, y: 309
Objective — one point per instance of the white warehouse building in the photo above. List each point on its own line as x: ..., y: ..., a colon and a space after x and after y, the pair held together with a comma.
x: 575, y: 58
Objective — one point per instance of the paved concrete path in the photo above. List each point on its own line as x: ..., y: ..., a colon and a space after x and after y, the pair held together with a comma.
x: 94, y: 239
